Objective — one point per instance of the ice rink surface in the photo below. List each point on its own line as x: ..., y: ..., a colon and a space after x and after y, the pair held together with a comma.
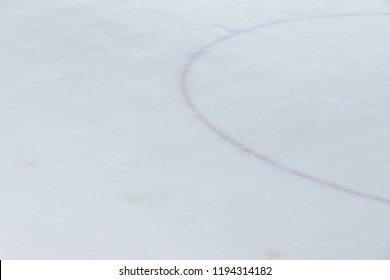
x: 224, y: 129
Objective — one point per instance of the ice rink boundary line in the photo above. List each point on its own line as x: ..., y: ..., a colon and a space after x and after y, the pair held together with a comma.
x: 185, y: 73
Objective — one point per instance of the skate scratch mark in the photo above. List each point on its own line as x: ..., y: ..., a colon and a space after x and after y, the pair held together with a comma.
x: 293, y: 14
x: 231, y: 30
x: 185, y: 92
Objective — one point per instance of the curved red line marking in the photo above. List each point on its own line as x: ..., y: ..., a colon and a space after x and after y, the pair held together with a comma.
x: 187, y: 98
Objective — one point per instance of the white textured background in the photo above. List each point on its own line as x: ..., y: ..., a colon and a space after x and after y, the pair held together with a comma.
x: 100, y: 158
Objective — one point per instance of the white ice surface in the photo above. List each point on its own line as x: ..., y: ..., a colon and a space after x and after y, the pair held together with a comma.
x: 101, y: 157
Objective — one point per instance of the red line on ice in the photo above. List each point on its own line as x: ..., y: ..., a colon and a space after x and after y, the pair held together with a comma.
x: 207, y: 122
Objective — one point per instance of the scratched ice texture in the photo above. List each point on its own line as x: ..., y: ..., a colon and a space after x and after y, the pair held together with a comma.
x: 194, y: 129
